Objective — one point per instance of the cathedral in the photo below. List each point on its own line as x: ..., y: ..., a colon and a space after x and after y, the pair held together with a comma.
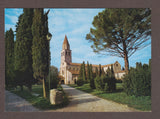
x: 70, y: 71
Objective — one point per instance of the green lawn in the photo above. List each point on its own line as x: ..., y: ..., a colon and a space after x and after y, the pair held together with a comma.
x: 39, y: 101
x: 142, y: 103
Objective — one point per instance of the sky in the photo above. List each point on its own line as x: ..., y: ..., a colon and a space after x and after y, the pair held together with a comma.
x: 75, y: 24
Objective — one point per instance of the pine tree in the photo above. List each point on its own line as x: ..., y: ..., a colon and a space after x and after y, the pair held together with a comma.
x: 121, y: 32
x: 40, y: 47
x: 23, y: 51
x: 9, y: 58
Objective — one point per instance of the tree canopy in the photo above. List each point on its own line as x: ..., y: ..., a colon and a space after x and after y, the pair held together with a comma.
x: 40, y: 46
x: 23, y: 51
x: 121, y: 32
x: 9, y: 56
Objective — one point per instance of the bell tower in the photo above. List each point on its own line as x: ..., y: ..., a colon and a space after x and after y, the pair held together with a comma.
x: 66, y: 52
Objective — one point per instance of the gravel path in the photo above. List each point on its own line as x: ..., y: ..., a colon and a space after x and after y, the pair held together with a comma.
x: 16, y: 103
x: 84, y: 102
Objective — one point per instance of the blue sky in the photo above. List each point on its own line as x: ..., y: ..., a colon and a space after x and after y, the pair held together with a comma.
x: 75, y: 23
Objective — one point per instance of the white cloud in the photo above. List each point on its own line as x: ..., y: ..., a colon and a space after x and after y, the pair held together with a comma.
x: 13, y: 19
x: 8, y: 26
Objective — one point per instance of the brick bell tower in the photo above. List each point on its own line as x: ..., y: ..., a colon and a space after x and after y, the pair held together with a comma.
x: 66, y: 52
x: 66, y: 58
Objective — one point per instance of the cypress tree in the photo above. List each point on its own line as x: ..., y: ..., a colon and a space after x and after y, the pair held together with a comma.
x: 80, y: 77
x: 110, y: 79
x: 92, y: 85
x: 18, y: 53
x: 113, y: 80
x: 40, y: 47
x: 23, y: 59
x: 84, y: 72
x: 103, y: 73
x: 97, y: 73
x: 100, y: 70
x: 9, y: 56
x: 88, y: 72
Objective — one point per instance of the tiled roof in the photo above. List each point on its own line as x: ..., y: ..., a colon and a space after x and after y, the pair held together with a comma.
x: 74, y: 72
x: 93, y: 65
x: 122, y: 71
x: 107, y: 65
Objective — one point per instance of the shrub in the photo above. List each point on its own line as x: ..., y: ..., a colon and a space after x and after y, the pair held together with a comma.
x: 92, y: 85
x: 80, y: 82
x: 59, y: 87
x: 99, y: 84
x: 138, y: 81
x: 52, y: 79
x: 110, y: 79
x: 118, y: 81
x: 106, y: 88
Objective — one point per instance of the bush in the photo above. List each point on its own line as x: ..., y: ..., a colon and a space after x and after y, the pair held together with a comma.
x: 99, y: 84
x: 110, y: 79
x: 59, y: 87
x: 111, y: 84
x: 52, y: 79
x: 138, y: 81
x: 106, y: 88
x: 80, y: 82
x: 92, y: 83
x: 118, y: 81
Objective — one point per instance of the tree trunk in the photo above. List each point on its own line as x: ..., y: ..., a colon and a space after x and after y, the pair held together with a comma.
x: 44, y: 88
x: 126, y: 63
x: 125, y: 58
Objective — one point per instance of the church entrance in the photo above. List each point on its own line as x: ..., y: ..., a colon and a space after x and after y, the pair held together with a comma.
x: 75, y: 82
x: 62, y: 81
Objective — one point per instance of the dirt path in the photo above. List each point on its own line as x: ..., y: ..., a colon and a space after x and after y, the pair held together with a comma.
x: 84, y: 102
x: 16, y: 103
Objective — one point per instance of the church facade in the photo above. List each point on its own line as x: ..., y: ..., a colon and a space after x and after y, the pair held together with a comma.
x: 70, y: 71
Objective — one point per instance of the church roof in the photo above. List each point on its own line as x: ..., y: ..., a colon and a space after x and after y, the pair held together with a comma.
x: 65, y: 44
x: 73, y: 71
x: 93, y: 65
x: 122, y: 71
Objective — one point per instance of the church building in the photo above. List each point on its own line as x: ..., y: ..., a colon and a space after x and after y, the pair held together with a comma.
x: 70, y: 71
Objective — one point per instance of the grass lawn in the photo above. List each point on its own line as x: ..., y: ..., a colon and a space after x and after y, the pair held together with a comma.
x: 38, y: 101
x: 142, y: 103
